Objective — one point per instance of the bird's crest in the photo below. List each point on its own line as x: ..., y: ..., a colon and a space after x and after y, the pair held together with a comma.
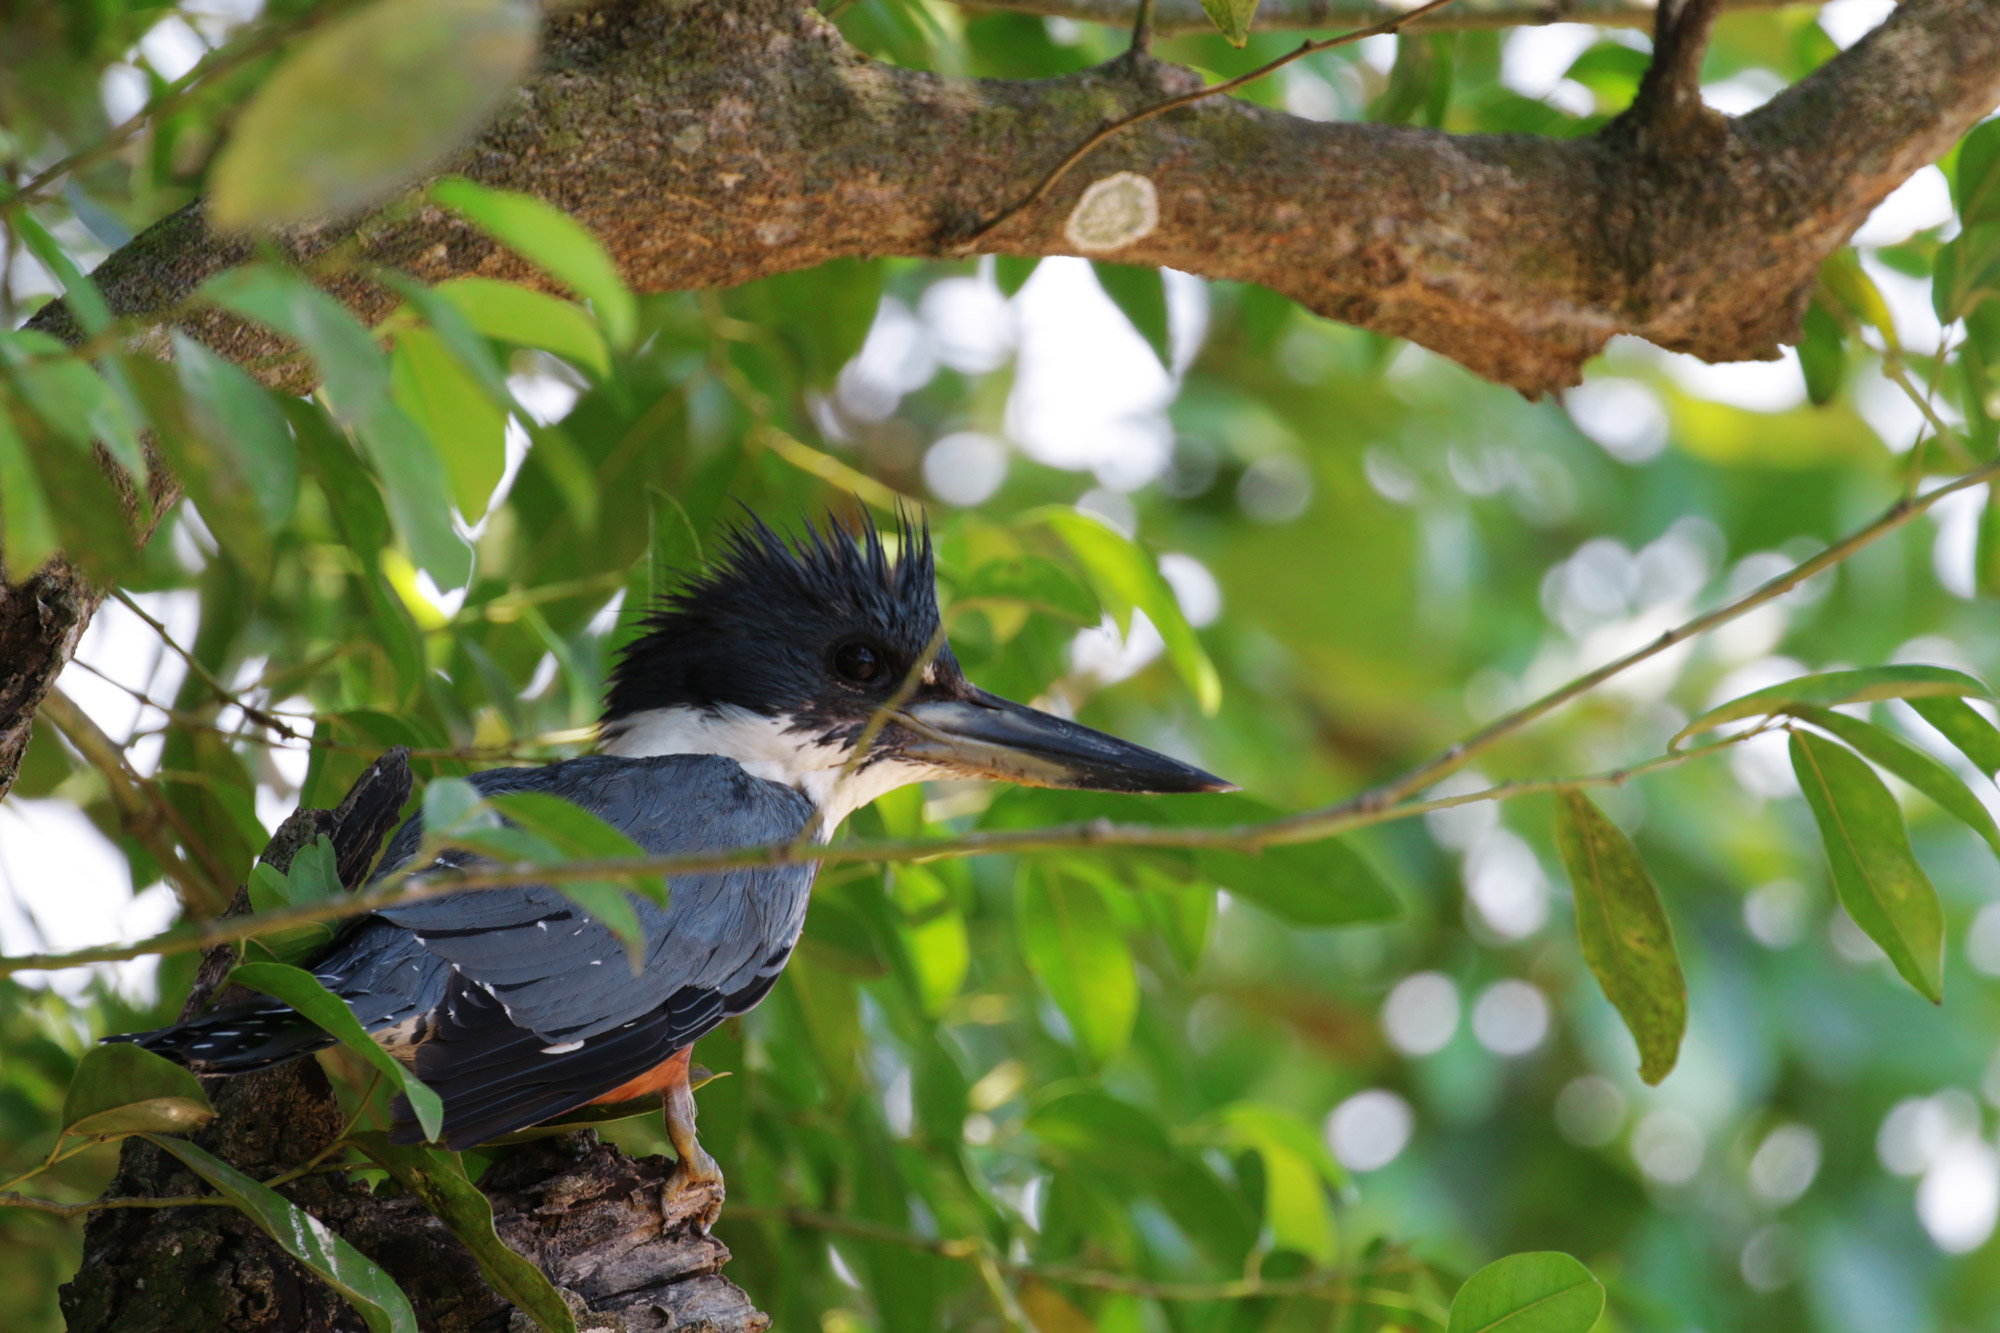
x: 740, y: 622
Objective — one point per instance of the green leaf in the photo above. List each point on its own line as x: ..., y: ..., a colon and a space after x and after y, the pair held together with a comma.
x: 315, y: 872
x: 821, y: 314
x: 449, y: 805
x: 934, y: 935
x: 1232, y: 18
x: 1125, y: 578
x: 1914, y: 766
x: 28, y: 533
x: 79, y: 291
x: 1839, y: 687
x: 1011, y: 272
x: 511, y: 313
x: 1031, y: 581
x: 547, y: 830
x: 349, y: 361
x: 1626, y: 936
x: 1976, y: 738
x: 1879, y: 881
x: 1297, y: 1171
x: 121, y: 1089
x: 372, y: 1292
x: 419, y: 492
x: 1141, y: 294
x: 575, y: 832
x: 1075, y: 950
x: 366, y: 103
x: 438, y: 1180
x: 314, y: 877
x: 1325, y: 883
x: 1543, y: 1292
x: 463, y: 422
x: 82, y: 501
x: 1845, y: 283
x: 1986, y: 549
x: 1968, y: 271
x: 80, y: 406
x: 1976, y: 179
x: 302, y: 991
x: 237, y: 418
x: 1822, y: 354
x: 553, y: 240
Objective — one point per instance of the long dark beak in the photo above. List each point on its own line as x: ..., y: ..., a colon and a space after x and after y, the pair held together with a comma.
x: 985, y: 736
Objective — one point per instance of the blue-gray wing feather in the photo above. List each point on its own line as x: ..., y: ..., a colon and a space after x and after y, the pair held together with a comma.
x: 564, y: 976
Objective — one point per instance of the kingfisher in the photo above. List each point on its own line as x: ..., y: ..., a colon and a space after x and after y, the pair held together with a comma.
x: 761, y: 702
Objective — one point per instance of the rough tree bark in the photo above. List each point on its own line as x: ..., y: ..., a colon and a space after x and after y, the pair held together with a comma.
x: 583, y: 1211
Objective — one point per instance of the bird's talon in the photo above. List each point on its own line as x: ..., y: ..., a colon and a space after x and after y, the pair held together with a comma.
x: 694, y: 1192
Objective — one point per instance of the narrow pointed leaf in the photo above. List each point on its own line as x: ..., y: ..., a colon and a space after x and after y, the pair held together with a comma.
x: 302, y: 991
x: 366, y: 103
x: 1541, y: 1292
x: 1623, y: 927
x: 1033, y: 581
x: 79, y: 291
x: 121, y: 1089
x: 547, y: 830
x: 464, y: 424
x: 1921, y: 770
x: 419, y: 492
x: 575, y: 831
x: 553, y: 240
x: 1879, y: 881
x: 347, y: 357
x: 1076, y: 951
x: 1232, y: 18
x: 28, y: 532
x: 237, y: 418
x: 439, y: 1181
x: 510, y: 313
x: 1841, y: 687
x: 1141, y: 296
x: 1126, y: 577
x: 1011, y: 272
x: 1962, y: 725
x: 372, y: 1292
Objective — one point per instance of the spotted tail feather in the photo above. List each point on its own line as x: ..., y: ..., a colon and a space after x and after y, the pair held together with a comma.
x: 236, y: 1041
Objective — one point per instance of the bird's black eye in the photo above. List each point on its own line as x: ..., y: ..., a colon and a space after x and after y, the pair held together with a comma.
x: 857, y: 662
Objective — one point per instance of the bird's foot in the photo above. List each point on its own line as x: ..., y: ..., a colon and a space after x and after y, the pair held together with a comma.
x: 693, y: 1193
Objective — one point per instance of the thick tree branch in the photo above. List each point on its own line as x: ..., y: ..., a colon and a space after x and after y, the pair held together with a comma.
x: 1174, y: 17
x: 711, y: 144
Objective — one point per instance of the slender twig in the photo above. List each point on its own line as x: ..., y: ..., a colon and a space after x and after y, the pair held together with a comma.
x: 1324, y: 1283
x: 1376, y: 806
x: 221, y: 692
x: 1461, y: 754
x: 141, y: 807
x: 1173, y: 18
x: 95, y: 1205
x: 410, y: 884
x: 1142, y: 28
x: 1084, y: 149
